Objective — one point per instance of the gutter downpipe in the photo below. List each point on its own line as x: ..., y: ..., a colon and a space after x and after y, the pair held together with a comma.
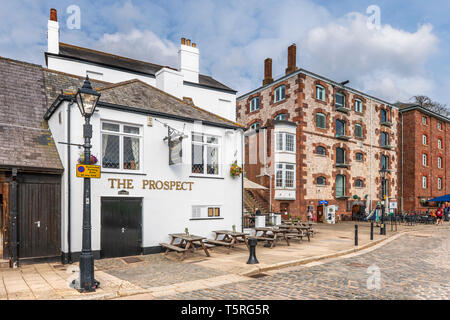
x: 69, y: 193
x: 265, y: 173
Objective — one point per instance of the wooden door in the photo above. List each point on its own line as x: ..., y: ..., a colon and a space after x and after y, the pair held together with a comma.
x: 121, y: 227
x: 39, y: 216
x: 320, y: 213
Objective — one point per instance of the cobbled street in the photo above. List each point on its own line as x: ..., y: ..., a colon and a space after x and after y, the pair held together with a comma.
x: 415, y: 266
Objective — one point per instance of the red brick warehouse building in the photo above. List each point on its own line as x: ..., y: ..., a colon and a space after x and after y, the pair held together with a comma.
x: 424, y: 171
x: 313, y: 139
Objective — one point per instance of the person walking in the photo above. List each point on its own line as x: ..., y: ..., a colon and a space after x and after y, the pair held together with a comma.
x: 439, y: 214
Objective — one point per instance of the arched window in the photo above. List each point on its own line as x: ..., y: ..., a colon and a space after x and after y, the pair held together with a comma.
x: 320, y: 93
x: 439, y: 183
x: 424, y: 139
x: 321, y: 120
x: 281, y: 116
x: 340, y: 100
x: 254, y: 104
x: 340, y: 186
x: 439, y: 162
x: 359, y: 183
x: 340, y: 128
x: 384, y: 117
x: 358, y: 105
x: 255, y: 126
x: 359, y: 157
x: 424, y: 160
x: 384, y: 162
x: 358, y: 131
x: 340, y: 156
x: 384, y: 139
x: 321, y: 181
x: 321, y: 151
x: 280, y: 93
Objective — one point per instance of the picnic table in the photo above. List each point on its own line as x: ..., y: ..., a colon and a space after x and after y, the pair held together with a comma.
x: 187, y: 243
x: 300, y: 227
x: 229, y: 238
x: 276, y: 233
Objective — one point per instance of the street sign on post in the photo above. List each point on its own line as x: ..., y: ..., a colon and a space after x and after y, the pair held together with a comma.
x: 88, y: 171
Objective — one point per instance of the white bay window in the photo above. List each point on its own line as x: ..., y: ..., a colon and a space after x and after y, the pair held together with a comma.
x: 285, y: 142
x: 285, y: 176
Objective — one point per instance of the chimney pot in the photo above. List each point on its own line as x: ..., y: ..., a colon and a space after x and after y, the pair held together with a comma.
x: 183, y: 40
x: 53, y: 15
x: 188, y: 42
x: 292, y: 55
x: 267, y: 71
x: 194, y: 45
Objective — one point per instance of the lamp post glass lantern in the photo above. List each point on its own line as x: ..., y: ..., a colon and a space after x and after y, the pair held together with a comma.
x: 87, y: 99
x: 383, y: 173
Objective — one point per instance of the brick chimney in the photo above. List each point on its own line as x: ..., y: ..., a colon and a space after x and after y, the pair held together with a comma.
x: 292, y: 56
x: 189, y: 60
x: 267, y: 71
x: 53, y: 32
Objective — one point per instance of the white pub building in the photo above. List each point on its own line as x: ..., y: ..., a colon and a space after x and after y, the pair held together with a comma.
x: 165, y: 140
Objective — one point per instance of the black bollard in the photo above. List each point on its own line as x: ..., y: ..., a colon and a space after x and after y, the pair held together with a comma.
x: 371, y: 230
x: 356, y: 234
x: 252, y: 242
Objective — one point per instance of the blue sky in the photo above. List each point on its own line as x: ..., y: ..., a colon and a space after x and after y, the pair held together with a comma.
x: 407, y: 55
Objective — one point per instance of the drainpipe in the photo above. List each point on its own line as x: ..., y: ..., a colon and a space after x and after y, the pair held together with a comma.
x: 403, y: 163
x: 69, y: 193
x: 265, y: 173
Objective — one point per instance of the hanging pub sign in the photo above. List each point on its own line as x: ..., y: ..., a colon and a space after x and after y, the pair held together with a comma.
x: 175, y: 139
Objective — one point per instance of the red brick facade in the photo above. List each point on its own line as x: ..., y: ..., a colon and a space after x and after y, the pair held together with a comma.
x: 413, y: 169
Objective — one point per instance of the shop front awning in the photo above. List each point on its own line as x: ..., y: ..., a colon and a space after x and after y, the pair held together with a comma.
x: 445, y: 198
x: 252, y: 185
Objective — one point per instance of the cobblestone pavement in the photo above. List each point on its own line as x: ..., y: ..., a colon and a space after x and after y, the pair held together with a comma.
x: 415, y: 266
x: 155, y: 270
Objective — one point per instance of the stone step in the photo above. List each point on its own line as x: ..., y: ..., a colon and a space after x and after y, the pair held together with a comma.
x: 4, y: 264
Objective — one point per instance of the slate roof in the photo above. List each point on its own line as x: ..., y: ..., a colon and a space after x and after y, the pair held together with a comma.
x: 111, y: 60
x: 133, y: 95
x: 25, y: 141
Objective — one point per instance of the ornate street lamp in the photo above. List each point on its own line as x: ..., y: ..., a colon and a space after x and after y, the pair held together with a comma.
x: 87, y: 99
x: 383, y: 173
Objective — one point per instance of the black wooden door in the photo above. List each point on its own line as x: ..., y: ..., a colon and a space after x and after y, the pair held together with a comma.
x: 39, y: 216
x: 121, y: 228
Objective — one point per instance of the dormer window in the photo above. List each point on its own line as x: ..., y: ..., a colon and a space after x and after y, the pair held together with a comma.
x: 340, y: 100
x: 320, y: 93
x: 254, y: 104
x: 280, y: 93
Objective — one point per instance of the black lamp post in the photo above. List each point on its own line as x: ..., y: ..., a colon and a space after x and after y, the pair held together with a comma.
x: 383, y: 173
x: 87, y: 99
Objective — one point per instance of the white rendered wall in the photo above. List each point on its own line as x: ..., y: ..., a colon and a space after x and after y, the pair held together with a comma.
x: 164, y: 211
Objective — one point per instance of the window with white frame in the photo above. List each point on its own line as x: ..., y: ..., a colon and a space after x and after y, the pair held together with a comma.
x: 280, y: 93
x: 424, y: 160
x: 254, y: 104
x: 439, y: 143
x: 285, y: 175
x: 285, y: 142
x: 439, y: 126
x: 358, y: 105
x: 340, y: 100
x: 205, y: 212
x: 424, y: 182
x: 424, y: 120
x: 121, y: 146
x: 281, y: 117
x: 424, y: 139
x: 439, y: 183
x: 320, y: 93
x: 205, y: 154
x: 439, y: 162
x: 321, y: 120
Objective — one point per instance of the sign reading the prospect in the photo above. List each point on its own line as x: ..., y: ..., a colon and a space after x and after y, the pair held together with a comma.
x: 88, y: 171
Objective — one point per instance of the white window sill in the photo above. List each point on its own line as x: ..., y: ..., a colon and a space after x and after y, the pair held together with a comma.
x: 132, y: 172
x: 210, y: 218
x: 205, y: 176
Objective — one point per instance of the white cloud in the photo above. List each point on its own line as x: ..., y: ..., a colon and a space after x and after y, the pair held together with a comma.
x: 143, y: 45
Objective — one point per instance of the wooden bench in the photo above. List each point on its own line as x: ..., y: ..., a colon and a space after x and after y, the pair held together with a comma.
x: 219, y: 243
x: 172, y: 247
x: 262, y: 238
x: 298, y: 236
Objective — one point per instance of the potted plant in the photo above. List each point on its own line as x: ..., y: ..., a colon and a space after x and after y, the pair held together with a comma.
x: 234, y: 228
x: 186, y: 230
x: 235, y: 170
x: 93, y: 159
